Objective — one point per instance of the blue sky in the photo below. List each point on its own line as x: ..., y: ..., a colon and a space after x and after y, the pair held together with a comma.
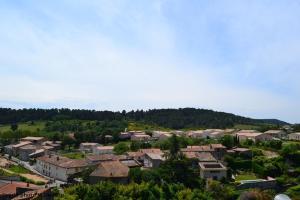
x: 234, y: 56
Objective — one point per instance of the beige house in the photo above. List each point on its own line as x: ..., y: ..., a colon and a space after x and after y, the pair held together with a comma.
x: 294, y: 136
x: 254, y: 136
x: 99, y: 150
x: 276, y: 133
x: 140, y: 138
x: 87, y: 146
x: 153, y: 160
x: 212, y: 170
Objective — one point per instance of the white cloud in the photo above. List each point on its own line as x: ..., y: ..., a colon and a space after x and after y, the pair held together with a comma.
x: 73, y: 66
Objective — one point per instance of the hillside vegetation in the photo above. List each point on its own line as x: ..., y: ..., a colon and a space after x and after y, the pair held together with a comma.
x: 183, y: 118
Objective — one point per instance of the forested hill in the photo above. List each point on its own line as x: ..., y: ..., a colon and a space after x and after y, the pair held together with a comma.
x: 169, y: 118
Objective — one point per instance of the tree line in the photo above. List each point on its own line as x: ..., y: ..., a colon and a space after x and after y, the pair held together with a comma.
x: 170, y: 118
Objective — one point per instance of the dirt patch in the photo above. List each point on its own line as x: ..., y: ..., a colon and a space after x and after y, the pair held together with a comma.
x: 270, y: 154
x: 35, y: 178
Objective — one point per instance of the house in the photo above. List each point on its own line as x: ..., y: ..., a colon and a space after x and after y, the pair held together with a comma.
x: 254, y: 136
x: 153, y: 160
x: 55, y: 144
x: 276, y: 133
x: 242, y: 151
x: 156, y: 134
x: 125, y: 135
x: 98, y: 150
x: 25, y: 151
x: 294, y: 136
x: 213, y: 133
x: 164, y: 136
x: 140, y: 155
x: 131, y: 163
x: 140, y: 138
x: 212, y: 170
x: 34, y: 140
x: 10, y: 190
x: 195, y: 134
x: 58, y: 167
x: 114, y: 171
x: 87, y: 146
x: 96, y: 159
x: 16, y: 147
x: 217, y: 150
x: 201, y: 156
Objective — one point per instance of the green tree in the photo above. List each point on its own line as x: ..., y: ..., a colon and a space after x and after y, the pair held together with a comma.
x: 228, y: 141
x: 121, y: 148
x: 14, y: 126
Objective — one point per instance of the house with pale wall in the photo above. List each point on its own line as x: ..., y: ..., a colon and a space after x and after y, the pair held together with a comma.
x: 58, y: 167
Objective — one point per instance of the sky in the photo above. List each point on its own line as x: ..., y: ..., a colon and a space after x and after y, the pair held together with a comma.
x: 234, y: 56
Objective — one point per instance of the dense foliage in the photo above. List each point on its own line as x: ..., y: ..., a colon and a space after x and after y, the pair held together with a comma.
x: 170, y: 118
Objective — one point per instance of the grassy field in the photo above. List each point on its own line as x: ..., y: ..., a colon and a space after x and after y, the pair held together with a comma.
x: 245, y: 176
x: 25, y: 126
x: 18, y: 169
x: 138, y: 126
x: 246, y: 127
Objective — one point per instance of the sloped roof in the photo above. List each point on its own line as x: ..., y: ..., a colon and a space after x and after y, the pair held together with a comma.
x: 111, y: 169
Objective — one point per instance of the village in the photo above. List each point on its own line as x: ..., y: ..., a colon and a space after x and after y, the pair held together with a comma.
x: 46, y: 165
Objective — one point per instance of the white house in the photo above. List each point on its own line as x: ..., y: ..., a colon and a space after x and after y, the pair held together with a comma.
x: 294, y: 136
x: 99, y: 150
x: 60, y: 168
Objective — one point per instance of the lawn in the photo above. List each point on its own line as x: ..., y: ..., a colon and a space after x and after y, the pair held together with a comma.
x: 25, y: 126
x: 18, y: 169
x: 246, y: 127
x: 139, y: 126
x: 245, y: 176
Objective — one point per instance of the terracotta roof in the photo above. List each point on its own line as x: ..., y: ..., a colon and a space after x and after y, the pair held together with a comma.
x: 205, y: 156
x: 201, y: 156
x: 152, y: 150
x: 111, y: 169
x: 215, y: 146
x: 156, y: 156
x: 32, y: 138
x: 21, y: 144
x: 105, y: 147
x: 31, y: 194
x: 197, y: 148
x: 29, y: 146
x: 10, y: 188
x: 274, y: 131
x: 103, y: 157
x: 63, y: 161
x: 249, y: 134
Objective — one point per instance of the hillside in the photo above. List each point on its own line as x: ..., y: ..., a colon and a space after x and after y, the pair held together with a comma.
x: 183, y: 118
